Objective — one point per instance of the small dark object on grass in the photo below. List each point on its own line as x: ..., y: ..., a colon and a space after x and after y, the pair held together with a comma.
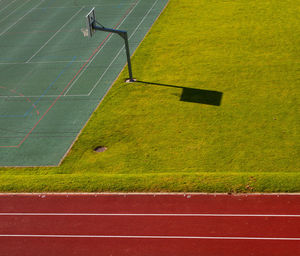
x: 100, y: 149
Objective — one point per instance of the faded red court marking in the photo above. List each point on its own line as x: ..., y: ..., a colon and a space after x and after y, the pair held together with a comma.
x: 22, y: 95
x: 149, y: 224
x: 53, y: 103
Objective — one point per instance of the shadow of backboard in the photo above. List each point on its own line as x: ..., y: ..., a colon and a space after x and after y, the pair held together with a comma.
x: 200, y: 96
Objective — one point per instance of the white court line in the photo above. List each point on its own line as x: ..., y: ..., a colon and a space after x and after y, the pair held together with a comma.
x: 85, y: 68
x: 152, y: 214
x: 54, y: 35
x: 7, y: 6
x: 159, y: 237
x: 86, y: 6
x: 38, y: 96
x: 40, y: 62
x: 21, y: 18
x: 51, y: 62
x: 122, y: 48
x: 14, y: 11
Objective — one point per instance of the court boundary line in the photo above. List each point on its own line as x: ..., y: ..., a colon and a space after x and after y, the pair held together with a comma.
x: 86, y: 6
x: 41, y: 48
x: 14, y: 11
x: 37, y: 96
x: 156, y: 237
x: 7, y: 6
x: 39, y: 62
x: 21, y: 18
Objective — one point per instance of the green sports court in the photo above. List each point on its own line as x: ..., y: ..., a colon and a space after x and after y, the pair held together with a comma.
x: 52, y: 76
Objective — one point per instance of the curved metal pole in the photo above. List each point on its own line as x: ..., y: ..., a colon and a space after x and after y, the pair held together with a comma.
x: 123, y: 34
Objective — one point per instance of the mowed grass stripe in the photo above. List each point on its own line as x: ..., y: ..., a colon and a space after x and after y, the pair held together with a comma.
x: 167, y: 133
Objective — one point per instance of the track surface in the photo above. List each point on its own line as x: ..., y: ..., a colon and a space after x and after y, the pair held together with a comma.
x: 149, y: 224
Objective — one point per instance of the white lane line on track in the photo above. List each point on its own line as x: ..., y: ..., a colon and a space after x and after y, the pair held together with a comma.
x: 146, y: 15
x: 152, y: 214
x: 54, y: 35
x: 156, y: 237
x: 85, y: 68
x: 21, y: 18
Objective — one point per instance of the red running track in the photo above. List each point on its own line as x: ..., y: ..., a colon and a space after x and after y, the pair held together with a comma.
x: 149, y: 224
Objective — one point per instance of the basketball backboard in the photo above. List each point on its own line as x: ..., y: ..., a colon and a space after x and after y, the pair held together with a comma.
x: 90, y: 20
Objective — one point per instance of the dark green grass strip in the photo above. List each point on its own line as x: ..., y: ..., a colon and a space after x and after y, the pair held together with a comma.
x: 166, y: 182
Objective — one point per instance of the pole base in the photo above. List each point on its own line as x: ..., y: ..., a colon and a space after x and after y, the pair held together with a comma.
x: 132, y: 80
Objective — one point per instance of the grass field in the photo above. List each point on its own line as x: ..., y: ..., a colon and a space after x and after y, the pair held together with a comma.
x: 216, y: 108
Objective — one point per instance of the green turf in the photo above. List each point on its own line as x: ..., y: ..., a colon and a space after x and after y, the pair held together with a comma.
x: 218, y: 111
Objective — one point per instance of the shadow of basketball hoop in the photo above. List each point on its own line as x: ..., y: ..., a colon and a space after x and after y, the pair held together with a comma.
x: 200, y: 96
